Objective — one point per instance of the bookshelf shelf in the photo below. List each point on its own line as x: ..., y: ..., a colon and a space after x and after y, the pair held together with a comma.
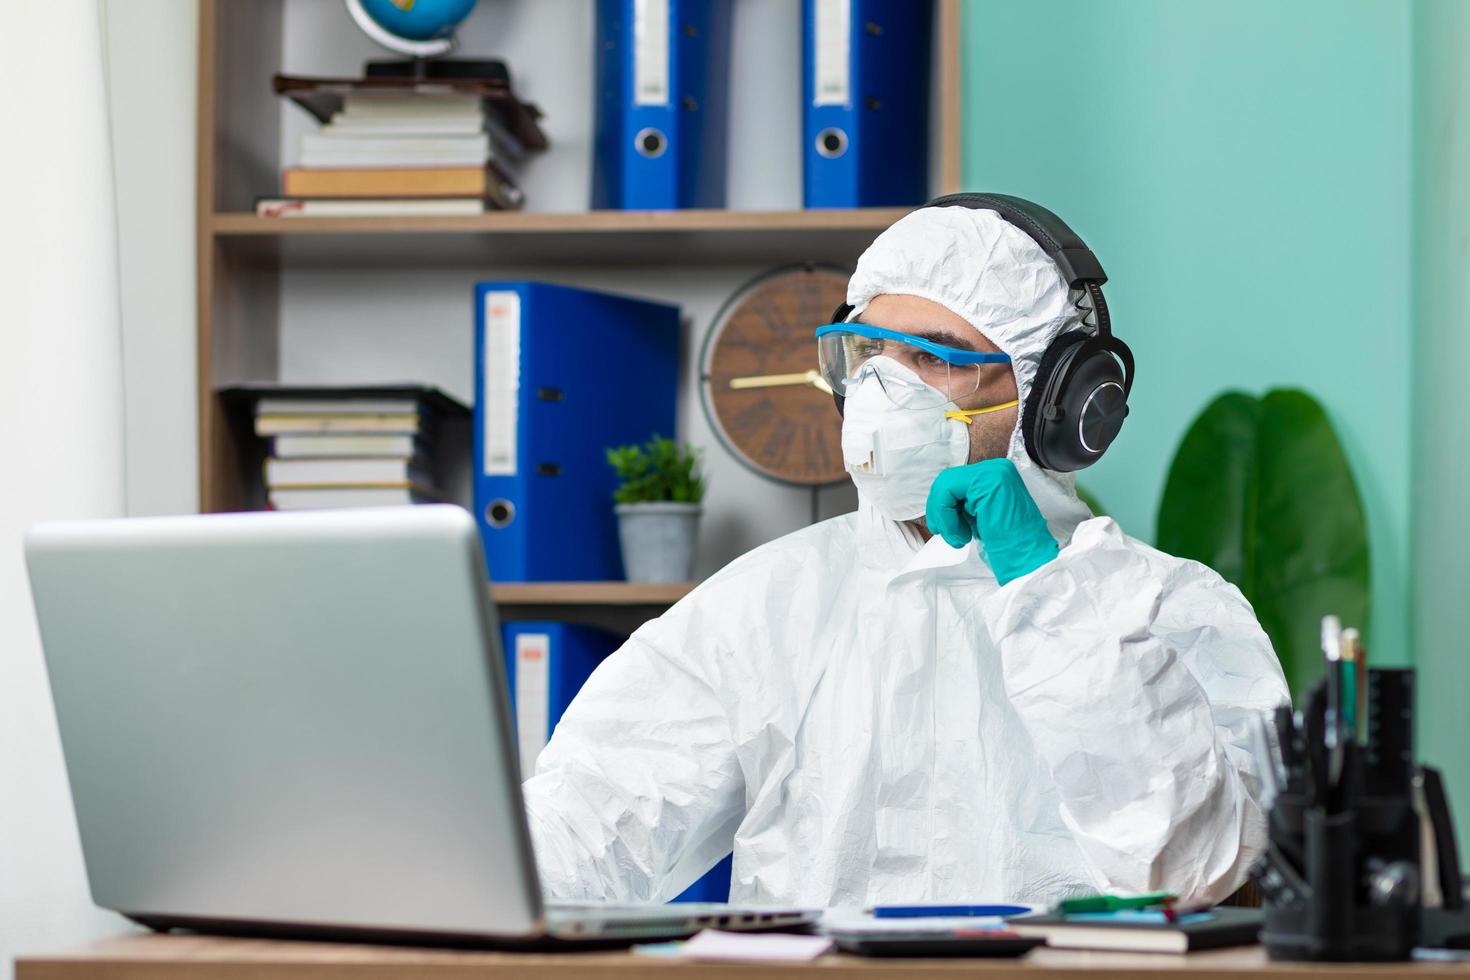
x: 551, y: 222
x: 588, y: 593
x: 695, y: 236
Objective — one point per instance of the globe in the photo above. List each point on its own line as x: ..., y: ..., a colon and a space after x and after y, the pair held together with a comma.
x: 421, y: 28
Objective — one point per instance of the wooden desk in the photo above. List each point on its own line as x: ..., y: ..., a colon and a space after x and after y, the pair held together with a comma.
x: 148, y: 957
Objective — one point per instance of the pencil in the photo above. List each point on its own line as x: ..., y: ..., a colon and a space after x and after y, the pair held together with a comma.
x: 1351, y: 718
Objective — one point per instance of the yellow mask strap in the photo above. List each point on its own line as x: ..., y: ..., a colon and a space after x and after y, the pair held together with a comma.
x: 965, y: 416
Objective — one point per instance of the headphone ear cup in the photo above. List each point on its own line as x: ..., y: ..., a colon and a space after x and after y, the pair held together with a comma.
x: 1040, y: 401
x: 1077, y: 404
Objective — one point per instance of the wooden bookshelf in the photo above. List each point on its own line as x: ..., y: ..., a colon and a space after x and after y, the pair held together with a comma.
x: 555, y: 222
x: 248, y: 266
x: 588, y: 593
x: 686, y: 237
x: 618, y: 607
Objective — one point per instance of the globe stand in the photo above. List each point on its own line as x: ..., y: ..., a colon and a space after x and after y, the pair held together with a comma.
x: 430, y: 69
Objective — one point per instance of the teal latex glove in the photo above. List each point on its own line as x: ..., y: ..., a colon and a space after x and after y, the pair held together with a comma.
x: 988, y: 500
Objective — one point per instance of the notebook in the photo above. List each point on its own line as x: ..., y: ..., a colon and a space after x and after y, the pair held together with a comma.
x: 1144, y: 932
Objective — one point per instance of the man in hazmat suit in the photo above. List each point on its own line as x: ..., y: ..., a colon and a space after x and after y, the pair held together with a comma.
x: 969, y: 689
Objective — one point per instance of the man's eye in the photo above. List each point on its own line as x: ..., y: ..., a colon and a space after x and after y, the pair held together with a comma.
x: 928, y: 360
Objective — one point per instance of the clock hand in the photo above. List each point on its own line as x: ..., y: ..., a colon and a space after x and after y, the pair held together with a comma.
x: 775, y: 380
x: 811, y: 377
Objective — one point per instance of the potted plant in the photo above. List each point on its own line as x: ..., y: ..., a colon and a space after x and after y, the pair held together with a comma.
x: 658, y: 503
x: 1262, y: 492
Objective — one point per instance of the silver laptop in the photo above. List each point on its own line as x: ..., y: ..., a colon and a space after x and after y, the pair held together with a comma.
x: 297, y: 723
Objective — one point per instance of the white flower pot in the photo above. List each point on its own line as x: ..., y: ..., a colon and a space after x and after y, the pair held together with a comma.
x: 658, y: 540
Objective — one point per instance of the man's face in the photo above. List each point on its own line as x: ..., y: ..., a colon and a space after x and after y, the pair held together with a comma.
x: 990, y: 434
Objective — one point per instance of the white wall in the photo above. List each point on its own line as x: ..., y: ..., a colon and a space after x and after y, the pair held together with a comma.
x: 152, y: 62
x: 60, y: 423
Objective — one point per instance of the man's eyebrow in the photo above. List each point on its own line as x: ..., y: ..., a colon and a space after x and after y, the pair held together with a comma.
x: 935, y: 335
x: 944, y: 338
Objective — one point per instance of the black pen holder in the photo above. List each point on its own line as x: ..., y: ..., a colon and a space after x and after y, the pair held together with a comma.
x: 1359, y: 869
x: 1341, y: 876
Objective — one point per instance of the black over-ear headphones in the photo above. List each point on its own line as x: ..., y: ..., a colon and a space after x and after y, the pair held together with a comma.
x: 1079, y: 397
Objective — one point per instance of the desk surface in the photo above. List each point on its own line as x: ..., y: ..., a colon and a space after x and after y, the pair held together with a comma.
x: 207, y: 958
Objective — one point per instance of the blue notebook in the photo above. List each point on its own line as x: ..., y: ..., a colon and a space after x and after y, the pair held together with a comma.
x: 714, y: 886
x: 663, y: 69
x: 561, y: 375
x: 865, y: 93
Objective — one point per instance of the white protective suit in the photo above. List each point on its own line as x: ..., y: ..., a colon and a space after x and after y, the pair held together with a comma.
x: 867, y: 718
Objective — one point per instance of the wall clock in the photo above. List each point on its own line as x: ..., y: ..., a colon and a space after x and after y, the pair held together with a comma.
x: 759, y: 382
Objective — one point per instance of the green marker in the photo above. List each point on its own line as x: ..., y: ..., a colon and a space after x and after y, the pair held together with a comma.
x: 1353, y: 688
x: 1114, y: 903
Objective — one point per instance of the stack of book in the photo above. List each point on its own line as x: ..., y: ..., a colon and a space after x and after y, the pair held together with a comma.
x: 384, y: 154
x: 329, y: 447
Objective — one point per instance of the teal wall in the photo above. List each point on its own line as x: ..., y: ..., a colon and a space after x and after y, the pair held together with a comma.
x: 1243, y: 171
x: 1441, y: 614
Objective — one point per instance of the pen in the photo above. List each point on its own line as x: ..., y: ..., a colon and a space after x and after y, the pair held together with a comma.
x: 1114, y: 903
x: 941, y: 911
x: 1349, y: 667
x: 1360, y: 683
x: 1332, y: 719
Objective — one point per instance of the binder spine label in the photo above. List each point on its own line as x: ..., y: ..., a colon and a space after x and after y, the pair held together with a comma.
x: 651, y: 52
x: 502, y: 373
x: 532, y: 697
x: 833, y: 53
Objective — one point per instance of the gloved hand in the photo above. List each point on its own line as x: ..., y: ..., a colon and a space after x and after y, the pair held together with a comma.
x: 988, y: 500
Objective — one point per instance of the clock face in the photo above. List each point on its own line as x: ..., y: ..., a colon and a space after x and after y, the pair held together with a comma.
x: 759, y: 364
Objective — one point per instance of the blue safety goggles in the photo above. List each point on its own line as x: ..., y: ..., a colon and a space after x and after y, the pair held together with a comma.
x: 845, y: 349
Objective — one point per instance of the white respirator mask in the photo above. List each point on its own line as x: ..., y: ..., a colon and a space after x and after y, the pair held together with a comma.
x: 893, y: 450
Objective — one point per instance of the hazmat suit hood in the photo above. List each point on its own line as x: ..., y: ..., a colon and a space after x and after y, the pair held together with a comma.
x: 981, y: 267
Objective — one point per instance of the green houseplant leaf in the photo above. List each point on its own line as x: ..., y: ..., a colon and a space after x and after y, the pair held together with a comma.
x: 1261, y: 491
x: 660, y: 469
